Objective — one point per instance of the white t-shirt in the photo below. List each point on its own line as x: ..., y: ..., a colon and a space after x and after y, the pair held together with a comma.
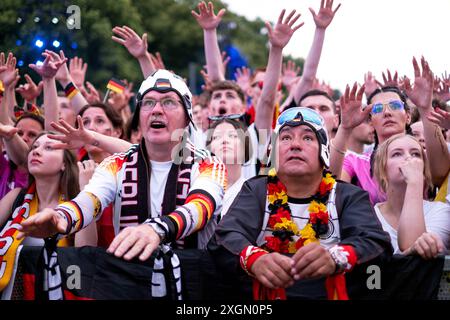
x: 437, y: 221
x: 158, y: 179
x: 230, y: 195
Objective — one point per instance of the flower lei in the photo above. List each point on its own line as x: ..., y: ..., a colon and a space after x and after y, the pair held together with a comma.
x: 280, y: 221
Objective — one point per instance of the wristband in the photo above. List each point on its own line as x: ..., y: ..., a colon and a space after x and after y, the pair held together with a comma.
x: 248, y: 257
x: 70, y: 90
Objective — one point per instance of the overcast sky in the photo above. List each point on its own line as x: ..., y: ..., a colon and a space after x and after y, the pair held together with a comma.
x: 366, y: 35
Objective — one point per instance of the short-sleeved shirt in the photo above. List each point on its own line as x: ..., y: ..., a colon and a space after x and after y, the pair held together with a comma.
x: 10, y: 178
x: 357, y: 166
x: 437, y: 221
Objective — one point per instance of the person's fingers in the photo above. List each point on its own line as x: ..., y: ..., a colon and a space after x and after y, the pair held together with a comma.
x: 266, y: 282
x: 312, y: 12
x: 431, y: 242
x: 134, y: 250
x: 293, y: 21
x: 422, y: 247
x: 360, y: 94
x: 117, y: 241
x: 288, y: 18
x: 309, y: 269
x: 416, y: 68
x: 221, y: 13
x: 298, y: 27
x: 281, y: 16
x: 147, y: 252
x: 58, y: 127
x: 337, y: 8
x: 353, y: 92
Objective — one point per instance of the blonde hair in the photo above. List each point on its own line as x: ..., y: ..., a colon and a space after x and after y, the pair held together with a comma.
x: 380, y: 163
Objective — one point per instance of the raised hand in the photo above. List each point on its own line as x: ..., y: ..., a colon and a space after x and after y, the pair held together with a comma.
x: 30, y: 91
x: 127, y: 37
x: 120, y: 100
x: 440, y: 117
x: 389, y: 80
x: 208, y: 83
x: 422, y: 92
x: 77, y: 71
x: 325, y: 15
x: 289, y: 73
x: 206, y: 17
x: 91, y: 96
x: 370, y: 83
x: 352, y: 115
x: 7, y: 131
x: 62, y: 75
x: 71, y: 138
x: 280, y: 35
x: 157, y: 60
x: 85, y: 171
x: 50, y: 66
x: 442, y: 91
x: 243, y: 76
x: 8, y: 71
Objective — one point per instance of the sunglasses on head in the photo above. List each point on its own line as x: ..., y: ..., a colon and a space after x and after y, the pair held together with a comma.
x: 394, y: 105
x: 300, y: 113
x: 229, y: 117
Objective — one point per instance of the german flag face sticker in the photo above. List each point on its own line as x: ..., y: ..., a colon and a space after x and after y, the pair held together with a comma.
x: 163, y: 84
x: 116, y: 86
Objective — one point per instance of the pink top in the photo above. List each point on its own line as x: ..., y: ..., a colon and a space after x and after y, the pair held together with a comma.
x: 10, y: 179
x: 357, y: 167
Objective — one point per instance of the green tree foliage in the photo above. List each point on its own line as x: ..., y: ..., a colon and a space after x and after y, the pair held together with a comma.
x: 171, y: 30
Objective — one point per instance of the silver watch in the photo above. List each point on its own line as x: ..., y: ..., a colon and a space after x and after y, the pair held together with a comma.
x: 339, y: 256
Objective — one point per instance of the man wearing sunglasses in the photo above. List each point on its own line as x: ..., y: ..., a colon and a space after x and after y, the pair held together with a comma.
x: 259, y: 229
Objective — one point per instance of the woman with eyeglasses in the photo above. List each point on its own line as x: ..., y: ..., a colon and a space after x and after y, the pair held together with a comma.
x: 416, y: 226
x: 390, y: 115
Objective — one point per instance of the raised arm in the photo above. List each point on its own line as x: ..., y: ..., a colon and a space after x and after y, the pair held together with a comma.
x: 352, y: 115
x: 9, y: 76
x: 16, y: 148
x: 75, y: 138
x: 322, y: 21
x: 279, y: 37
x: 48, y: 72
x: 77, y: 100
x: 136, y: 46
x: 30, y: 91
x: 209, y: 21
x: 421, y: 95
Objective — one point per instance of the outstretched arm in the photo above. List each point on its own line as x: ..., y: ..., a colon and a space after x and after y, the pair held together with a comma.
x: 9, y: 77
x: 75, y: 138
x: 48, y: 72
x: 77, y: 100
x: 279, y: 37
x: 322, y: 21
x: 136, y: 46
x: 352, y: 115
x: 209, y: 21
x: 421, y: 95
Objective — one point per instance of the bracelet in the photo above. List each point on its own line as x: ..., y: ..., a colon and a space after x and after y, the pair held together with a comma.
x: 334, y: 147
x: 70, y: 90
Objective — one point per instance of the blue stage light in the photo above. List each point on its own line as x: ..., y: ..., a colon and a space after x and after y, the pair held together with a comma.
x: 56, y: 43
x: 39, y: 63
x: 20, y: 63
